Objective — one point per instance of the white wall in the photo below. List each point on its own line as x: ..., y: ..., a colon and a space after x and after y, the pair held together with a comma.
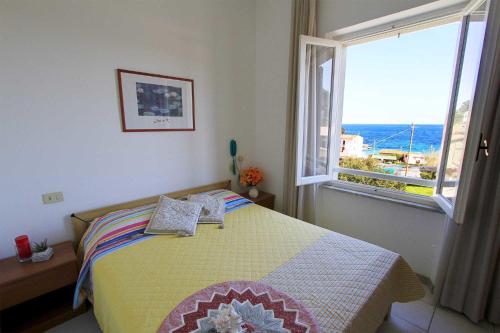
x: 413, y: 232
x: 273, y: 24
x: 60, y: 125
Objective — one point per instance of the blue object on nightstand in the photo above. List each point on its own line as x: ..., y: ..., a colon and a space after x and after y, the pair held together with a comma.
x: 232, y: 150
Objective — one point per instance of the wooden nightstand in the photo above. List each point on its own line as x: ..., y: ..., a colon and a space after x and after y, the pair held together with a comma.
x: 37, y: 296
x: 264, y: 199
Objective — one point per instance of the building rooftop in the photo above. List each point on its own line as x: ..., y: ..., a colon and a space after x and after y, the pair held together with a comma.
x: 391, y: 152
x: 349, y: 136
x: 384, y: 157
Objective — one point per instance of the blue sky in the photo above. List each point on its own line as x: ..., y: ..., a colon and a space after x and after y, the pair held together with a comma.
x: 401, y: 80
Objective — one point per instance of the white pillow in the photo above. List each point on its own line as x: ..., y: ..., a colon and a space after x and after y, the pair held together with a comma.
x: 213, y: 208
x: 174, y: 217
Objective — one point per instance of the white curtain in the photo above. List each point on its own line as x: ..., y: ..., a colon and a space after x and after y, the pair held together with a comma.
x: 304, y: 23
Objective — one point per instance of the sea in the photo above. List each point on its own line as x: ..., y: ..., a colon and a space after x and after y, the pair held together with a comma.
x: 426, y: 139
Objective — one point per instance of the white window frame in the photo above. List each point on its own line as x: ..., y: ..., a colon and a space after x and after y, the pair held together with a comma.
x: 374, y: 30
x: 445, y: 204
x: 337, y: 46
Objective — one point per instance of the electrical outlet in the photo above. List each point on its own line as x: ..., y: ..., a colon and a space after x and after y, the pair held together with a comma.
x: 49, y: 198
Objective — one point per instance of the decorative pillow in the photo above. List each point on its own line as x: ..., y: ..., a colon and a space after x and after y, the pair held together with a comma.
x: 213, y: 208
x: 233, y: 201
x: 174, y: 217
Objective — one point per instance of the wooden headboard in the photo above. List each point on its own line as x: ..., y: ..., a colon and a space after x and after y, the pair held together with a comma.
x: 81, y: 220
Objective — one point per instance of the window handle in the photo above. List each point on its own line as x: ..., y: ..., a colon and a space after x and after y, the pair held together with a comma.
x: 483, y: 145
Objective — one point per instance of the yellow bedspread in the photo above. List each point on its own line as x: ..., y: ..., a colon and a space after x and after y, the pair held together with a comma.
x: 136, y: 287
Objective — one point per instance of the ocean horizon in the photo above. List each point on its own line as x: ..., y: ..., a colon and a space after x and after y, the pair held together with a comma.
x: 426, y: 139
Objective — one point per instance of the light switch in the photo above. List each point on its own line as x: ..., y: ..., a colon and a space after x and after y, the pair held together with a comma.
x: 49, y: 198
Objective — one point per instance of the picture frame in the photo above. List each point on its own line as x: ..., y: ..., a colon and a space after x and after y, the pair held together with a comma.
x: 155, y: 103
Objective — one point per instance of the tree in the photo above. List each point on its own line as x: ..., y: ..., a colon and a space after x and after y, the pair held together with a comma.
x: 367, y: 164
x: 428, y: 174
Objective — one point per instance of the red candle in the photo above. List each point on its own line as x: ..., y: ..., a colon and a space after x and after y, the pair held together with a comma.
x: 23, y: 247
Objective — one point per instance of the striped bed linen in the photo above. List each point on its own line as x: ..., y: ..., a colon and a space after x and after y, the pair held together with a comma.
x: 122, y: 228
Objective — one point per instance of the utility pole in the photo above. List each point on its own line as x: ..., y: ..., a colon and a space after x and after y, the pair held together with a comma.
x: 409, y: 148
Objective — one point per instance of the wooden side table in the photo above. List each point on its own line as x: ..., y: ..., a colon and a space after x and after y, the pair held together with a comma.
x: 264, y: 199
x: 37, y: 296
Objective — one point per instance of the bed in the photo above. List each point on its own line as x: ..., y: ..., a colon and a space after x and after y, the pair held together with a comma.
x: 346, y: 284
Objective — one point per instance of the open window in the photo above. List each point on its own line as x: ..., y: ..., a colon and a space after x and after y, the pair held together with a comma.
x: 375, y: 113
x: 460, y: 107
x: 318, y: 103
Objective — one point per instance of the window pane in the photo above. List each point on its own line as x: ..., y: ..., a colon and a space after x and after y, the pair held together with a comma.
x: 395, y: 104
x: 318, y: 98
x: 460, y: 121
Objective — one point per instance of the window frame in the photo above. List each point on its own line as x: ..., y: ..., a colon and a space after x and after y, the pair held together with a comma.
x: 448, y: 126
x: 448, y: 206
x: 361, y: 34
x: 387, y: 193
x: 410, y: 199
x: 334, y: 105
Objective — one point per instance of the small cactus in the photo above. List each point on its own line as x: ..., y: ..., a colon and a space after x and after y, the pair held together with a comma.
x: 40, y: 247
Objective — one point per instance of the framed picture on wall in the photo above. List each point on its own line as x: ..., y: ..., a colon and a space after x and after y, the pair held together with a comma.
x: 153, y: 102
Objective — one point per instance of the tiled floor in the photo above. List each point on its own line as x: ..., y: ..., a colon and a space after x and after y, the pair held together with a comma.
x: 421, y: 316
x: 416, y: 317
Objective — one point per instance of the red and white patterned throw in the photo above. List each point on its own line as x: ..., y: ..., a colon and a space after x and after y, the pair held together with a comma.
x: 259, y: 307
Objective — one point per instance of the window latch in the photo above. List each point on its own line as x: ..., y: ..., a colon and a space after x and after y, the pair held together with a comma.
x: 483, y: 145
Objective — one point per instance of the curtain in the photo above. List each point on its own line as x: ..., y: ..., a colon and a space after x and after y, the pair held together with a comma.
x: 470, y: 278
x: 304, y: 23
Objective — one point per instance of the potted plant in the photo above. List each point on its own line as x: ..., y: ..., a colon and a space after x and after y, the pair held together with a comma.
x: 251, y: 177
x: 41, y: 251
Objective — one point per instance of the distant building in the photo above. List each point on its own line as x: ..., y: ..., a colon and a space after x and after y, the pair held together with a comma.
x: 384, y: 157
x: 394, y: 152
x: 351, y: 145
x: 389, y: 155
x: 414, y: 158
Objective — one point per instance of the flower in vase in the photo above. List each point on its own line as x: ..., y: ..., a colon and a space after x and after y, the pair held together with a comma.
x: 251, y: 176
